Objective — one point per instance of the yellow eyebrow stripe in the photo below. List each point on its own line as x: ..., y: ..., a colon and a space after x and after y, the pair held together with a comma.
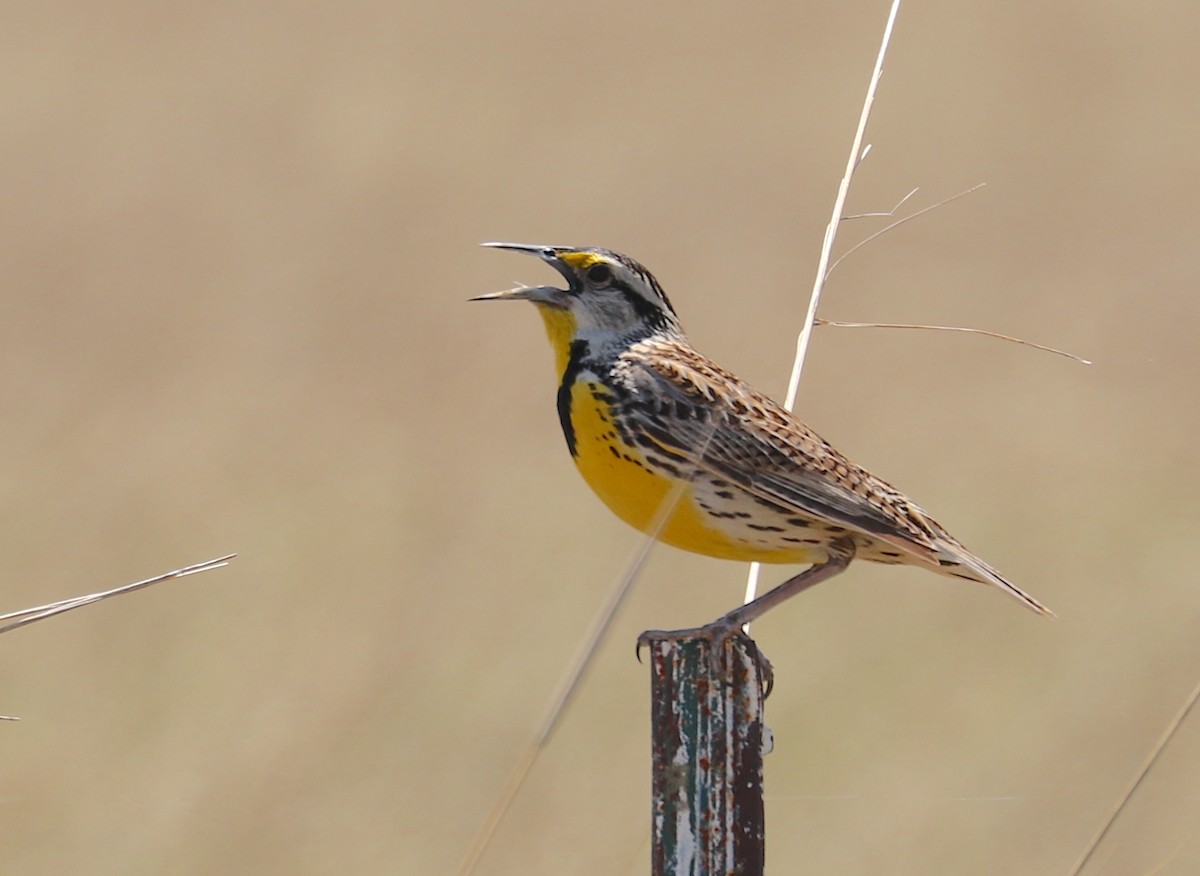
x: 581, y: 260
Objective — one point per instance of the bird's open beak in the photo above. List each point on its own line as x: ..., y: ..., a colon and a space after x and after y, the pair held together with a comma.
x: 551, y: 295
x: 544, y: 294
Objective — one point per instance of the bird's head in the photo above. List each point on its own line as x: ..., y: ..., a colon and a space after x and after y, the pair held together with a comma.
x: 609, y: 296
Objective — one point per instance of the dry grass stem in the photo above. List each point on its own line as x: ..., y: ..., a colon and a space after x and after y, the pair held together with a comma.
x: 882, y: 214
x: 857, y: 154
x: 898, y: 222
x: 1147, y: 765
x: 955, y: 328
x: 27, y: 616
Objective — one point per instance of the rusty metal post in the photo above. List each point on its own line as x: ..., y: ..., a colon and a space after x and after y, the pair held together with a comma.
x: 707, y: 734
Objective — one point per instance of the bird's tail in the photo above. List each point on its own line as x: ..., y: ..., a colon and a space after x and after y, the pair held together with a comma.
x: 961, y: 563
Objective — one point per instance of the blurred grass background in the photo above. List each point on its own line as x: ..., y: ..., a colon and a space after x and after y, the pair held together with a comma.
x: 236, y: 241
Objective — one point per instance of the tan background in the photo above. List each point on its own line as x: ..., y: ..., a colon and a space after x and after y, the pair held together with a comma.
x: 236, y: 240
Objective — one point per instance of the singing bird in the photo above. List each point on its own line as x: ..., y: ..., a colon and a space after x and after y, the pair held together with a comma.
x: 682, y: 449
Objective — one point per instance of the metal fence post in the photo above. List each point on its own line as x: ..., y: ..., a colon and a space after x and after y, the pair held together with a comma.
x: 707, y: 736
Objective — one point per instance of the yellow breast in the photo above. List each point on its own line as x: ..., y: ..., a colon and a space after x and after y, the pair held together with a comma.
x: 636, y: 490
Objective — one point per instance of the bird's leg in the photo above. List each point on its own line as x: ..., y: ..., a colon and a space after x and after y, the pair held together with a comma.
x: 841, y: 552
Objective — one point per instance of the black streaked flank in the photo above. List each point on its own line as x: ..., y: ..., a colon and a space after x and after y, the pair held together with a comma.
x: 670, y: 469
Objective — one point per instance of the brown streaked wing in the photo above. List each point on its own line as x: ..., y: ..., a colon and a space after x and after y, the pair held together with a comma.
x: 771, y: 454
x: 763, y: 448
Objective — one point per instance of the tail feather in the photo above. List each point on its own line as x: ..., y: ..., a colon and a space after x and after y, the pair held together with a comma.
x: 963, y: 564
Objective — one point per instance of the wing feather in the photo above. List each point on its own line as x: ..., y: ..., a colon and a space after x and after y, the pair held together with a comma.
x: 764, y: 449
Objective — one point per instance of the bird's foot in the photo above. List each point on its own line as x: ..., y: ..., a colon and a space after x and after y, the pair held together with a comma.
x: 719, y: 636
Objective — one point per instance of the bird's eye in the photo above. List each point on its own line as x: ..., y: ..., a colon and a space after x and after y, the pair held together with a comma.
x: 599, y: 274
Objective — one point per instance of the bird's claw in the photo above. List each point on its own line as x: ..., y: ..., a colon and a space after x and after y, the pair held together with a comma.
x: 717, y: 634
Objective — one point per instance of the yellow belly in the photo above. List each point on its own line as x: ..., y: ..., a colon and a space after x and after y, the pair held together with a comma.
x: 637, y: 492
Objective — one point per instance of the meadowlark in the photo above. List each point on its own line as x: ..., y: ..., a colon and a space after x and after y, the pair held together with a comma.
x: 648, y: 420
